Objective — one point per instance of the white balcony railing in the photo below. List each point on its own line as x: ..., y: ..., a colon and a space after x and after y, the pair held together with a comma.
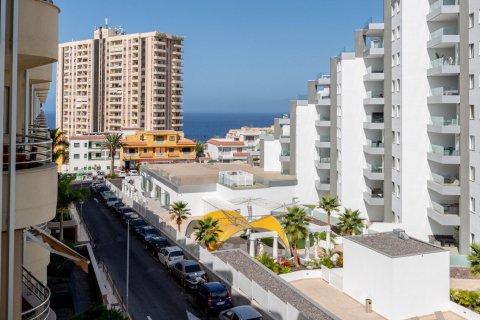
x: 451, y: 208
x: 444, y: 150
x: 31, y: 151
x: 37, y: 295
x: 445, y: 181
x: 445, y: 31
x: 437, y: 4
x: 375, y: 143
x: 444, y: 61
x: 374, y: 168
x: 442, y: 121
x: 443, y: 91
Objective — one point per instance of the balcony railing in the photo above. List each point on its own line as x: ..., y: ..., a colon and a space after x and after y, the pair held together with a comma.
x: 375, y: 168
x: 439, y: 3
x: 375, y: 94
x: 31, y: 152
x: 132, y: 154
x: 441, y: 121
x: 36, y: 295
x: 375, y: 143
x: 285, y: 153
x: 450, y: 208
x: 375, y: 118
x: 445, y: 181
x: 444, y: 151
x: 324, y: 139
x: 444, y: 61
x: 324, y: 117
x: 375, y: 192
x: 443, y: 91
x: 324, y: 160
x: 445, y: 31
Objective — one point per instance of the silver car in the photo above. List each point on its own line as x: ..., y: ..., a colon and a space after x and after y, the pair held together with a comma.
x: 188, y: 273
x: 168, y: 256
x: 240, y: 313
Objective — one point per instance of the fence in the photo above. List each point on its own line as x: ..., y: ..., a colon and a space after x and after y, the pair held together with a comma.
x: 121, y: 306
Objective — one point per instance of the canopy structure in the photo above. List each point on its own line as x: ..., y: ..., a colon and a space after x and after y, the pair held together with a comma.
x: 232, y: 222
x: 57, y: 247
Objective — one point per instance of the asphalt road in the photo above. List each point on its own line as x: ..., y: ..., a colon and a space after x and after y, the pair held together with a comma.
x: 154, y: 294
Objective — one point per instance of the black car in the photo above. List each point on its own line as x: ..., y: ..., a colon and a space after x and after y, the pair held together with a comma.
x: 155, y: 244
x: 101, y: 188
x: 213, y: 297
x: 146, y: 233
x: 121, y: 211
x: 136, y: 224
x: 117, y: 206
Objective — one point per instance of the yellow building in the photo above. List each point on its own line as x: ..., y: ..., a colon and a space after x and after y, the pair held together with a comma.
x: 156, y: 146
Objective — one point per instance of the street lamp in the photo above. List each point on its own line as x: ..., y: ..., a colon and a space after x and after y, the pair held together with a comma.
x: 128, y: 265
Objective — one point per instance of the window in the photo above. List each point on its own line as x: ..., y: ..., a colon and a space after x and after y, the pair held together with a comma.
x: 470, y: 20
x: 471, y: 50
x: 85, y: 144
x: 398, y: 58
x: 398, y: 111
x: 472, y: 204
x: 393, y: 59
x: 472, y: 81
x: 397, y: 164
x: 398, y: 85
x: 393, y: 86
x: 75, y: 168
x: 76, y: 145
x: 393, y: 111
x: 85, y: 156
x: 472, y: 112
x: 472, y: 173
x: 398, y: 32
x: 393, y: 188
x: 393, y: 162
x: 472, y: 143
x: 171, y: 138
x: 397, y: 6
x: 397, y: 138
x: 397, y: 191
x: 76, y: 156
x: 393, y: 35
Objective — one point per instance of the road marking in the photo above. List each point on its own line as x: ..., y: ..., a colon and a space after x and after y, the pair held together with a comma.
x: 191, y: 316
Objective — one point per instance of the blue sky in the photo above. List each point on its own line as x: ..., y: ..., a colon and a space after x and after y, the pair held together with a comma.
x: 240, y: 55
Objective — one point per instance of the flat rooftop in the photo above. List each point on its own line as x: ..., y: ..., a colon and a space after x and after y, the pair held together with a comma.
x: 182, y: 174
x: 389, y: 244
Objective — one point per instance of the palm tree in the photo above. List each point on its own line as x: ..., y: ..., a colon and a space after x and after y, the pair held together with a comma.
x: 295, y: 223
x: 67, y: 195
x: 199, y: 149
x: 113, y: 143
x: 59, y: 144
x: 207, y: 232
x: 179, y: 212
x: 350, y: 222
x: 329, y: 204
x: 474, y: 258
x: 318, y: 236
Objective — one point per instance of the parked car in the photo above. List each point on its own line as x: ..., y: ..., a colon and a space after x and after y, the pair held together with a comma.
x: 240, y: 313
x: 101, y: 188
x: 188, y: 273
x: 133, y: 173
x: 127, y: 216
x: 155, y: 243
x: 106, y: 194
x: 146, y: 233
x: 88, y: 176
x: 213, y: 297
x: 110, y: 201
x: 93, y: 187
x: 168, y: 256
x: 121, y: 211
x: 117, y: 206
x: 136, y: 224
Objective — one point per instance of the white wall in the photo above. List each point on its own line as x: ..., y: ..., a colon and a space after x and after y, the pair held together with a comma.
x: 271, y: 154
x: 400, y: 288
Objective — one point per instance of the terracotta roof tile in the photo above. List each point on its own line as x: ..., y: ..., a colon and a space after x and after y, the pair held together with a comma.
x: 225, y: 143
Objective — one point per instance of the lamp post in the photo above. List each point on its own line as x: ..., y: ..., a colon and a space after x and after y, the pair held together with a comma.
x: 128, y: 266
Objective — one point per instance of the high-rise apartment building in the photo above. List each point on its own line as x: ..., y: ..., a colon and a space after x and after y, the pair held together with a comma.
x: 118, y: 80
x: 396, y: 137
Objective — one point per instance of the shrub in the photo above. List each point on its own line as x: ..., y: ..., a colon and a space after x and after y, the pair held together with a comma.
x: 284, y: 269
x: 327, y: 262
x: 340, y: 260
x: 468, y: 299
x: 270, y: 263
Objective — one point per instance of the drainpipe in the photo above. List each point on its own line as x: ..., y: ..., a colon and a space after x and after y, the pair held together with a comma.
x: 2, y: 99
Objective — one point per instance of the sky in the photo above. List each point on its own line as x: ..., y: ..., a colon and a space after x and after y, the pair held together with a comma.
x: 240, y: 55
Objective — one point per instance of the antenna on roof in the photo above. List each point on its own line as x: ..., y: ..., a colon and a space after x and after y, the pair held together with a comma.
x: 106, y: 22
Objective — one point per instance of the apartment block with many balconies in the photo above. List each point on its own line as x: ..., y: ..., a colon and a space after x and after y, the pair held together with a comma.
x: 118, y: 80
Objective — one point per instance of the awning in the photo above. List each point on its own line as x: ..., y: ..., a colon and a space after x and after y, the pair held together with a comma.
x: 57, y: 247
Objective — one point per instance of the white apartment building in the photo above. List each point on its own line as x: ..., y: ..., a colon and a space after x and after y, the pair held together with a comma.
x: 118, y: 80
x: 226, y: 150
x: 249, y: 135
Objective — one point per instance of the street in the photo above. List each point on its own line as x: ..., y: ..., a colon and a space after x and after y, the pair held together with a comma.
x: 154, y: 294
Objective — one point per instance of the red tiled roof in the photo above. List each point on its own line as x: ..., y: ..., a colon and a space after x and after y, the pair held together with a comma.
x: 92, y: 137
x: 186, y: 142
x: 240, y: 154
x: 225, y: 143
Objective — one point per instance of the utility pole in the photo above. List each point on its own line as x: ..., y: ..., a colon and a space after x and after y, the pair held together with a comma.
x: 128, y: 265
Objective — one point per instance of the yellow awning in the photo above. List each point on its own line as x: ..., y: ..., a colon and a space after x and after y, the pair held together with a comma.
x: 61, y: 249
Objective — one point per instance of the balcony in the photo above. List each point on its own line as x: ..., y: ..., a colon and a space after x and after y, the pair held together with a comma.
x: 374, y: 147
x: 323, y: 142
x: 322, y: 184
x: 35, y: 296
x: 323, y: 100
x: 375, y: 121
x: 444, y: 125
x: 445, y: 214
x: 284, y: 156
x: 373, y: 172
x: 324, y: 121
x: 444, y: 10
x: 374, y: 97
x: 284, y: 139
x: 374, y: 196
x: 37, y: 33
x: 443, y: 154
x: 34, y: 168
x: 445, y: 66
x: 375, y: 49
x: 443, y: 95
x: 323, y: 163
x: 131, y: 154
x: 446, y: 37
x: 449, y: 186
x: 374, y: 75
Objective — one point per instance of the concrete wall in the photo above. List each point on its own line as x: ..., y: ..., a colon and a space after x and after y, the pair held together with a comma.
x: 271, y: 153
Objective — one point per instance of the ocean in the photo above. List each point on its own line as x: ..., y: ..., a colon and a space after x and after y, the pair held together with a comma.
x: 203, y: 126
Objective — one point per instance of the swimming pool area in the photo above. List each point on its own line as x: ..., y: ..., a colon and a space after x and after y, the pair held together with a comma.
x: 459, y: 261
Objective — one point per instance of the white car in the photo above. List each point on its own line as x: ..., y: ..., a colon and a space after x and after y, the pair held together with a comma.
x: 168, y: 256
x: 122, y: 174
x: 133, y: 173
x: 111, y: 201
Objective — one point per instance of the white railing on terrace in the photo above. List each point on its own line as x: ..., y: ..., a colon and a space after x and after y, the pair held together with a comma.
x: 443, y: 150
x: 442, y: 121
x: 444, y: 61
x: 31, y: 151
x: 37, y: 295
x: 445, y: 31
x: 439, y: 3
x: 324, y: 139
x: 451, y: 208
x: 447, y: 181
x: 443, y: 91
x: 235, y: 178
x: 375, y: 143
x: 375, y: 168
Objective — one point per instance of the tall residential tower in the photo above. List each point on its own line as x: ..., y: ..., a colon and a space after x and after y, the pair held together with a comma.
x: 118, y: 80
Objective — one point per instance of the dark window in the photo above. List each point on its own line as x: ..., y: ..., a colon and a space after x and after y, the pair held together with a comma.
x: 192, y: 268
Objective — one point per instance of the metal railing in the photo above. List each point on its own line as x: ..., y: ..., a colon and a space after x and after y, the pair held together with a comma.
x: 446, y: 181
x: 443, y: 91
x: 443, y: 61
x: 443, y: 150
x: 375, y: 192
x: 451, y: 208
x: 31, y: 151
x: 375, y: 94
x: 41, y: 293
x: 445, y: 31
x: 441, y: 121
x: 375, y: 143
x: 439, y: 3
x: 375, y: 168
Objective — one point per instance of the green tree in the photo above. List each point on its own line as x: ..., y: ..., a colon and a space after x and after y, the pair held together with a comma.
x: 199, y: 149
x: 329, y: 204
x: 474, y: 258
x: 59, y: 144
x: 179, y: 212
x: 350, y: 222
x: 100, y: 312
x: 207, y: 232
x: 295, y: 223
x: 113, y: 143
x: 67, y: 195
